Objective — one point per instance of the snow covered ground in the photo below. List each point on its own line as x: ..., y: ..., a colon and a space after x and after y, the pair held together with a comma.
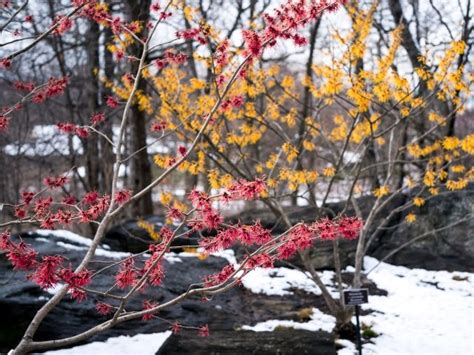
x: 425, y: 312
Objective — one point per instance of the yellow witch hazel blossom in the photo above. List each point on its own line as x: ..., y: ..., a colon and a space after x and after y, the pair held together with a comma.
x: 418, y: 201
x: 410, y: 217
x: 290, y: 151
x: 329, y: 171
x: 150, y: 229
x: 295, y: 178
x: 381, y: 191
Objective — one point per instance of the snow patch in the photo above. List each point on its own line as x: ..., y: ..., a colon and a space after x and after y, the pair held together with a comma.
x: 64, y: 234
x: 319, y: 321
x: 143, y: 344
x: 277, y: 282
x: 280, y: 281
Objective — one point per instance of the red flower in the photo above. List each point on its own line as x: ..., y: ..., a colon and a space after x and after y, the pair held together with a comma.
x: 4, y: 123
x: 203, y: 331
x: 176, y: 328
x: 127, y: 275
x: 157, y: 274
x: 82, y: 132
x: 90, y: 197
x: 69, y: 200
x: 27, y: 197
x: 97, y: 118
x: 253, y: 43
x: 112, y: 102
x: 182, y: 150
x: 247, y: 190
x: 20, y: 212
x: 174, y: 214
x: 146, y: 306
x: 5, y: 63
x: 5, y: 243
x: 220, y: 277
x: 80, y: 279
x: 260, y: 260
x: 23, y: 86
x: 223, y: 240
x: 237, y: 101
x: 20, y: 255
x: 349, y: 227
x: 46, y: 273
x: 67, y: 127
x: 64, y: 25
x: 103, y: 308
x: 55, y: 182
x: 158, y: 126
x: 122, y: 196
x: 155, y: 7
x: 287, y: 250
x: 78, y: 295
x: 325, y: 228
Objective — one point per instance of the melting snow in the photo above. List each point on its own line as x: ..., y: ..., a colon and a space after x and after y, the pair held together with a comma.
x: 319, y: 321
x: 142, y: 344
x: 425, y: 312
x: 280, y: 281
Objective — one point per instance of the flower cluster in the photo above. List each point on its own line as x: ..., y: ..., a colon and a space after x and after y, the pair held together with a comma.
x: 284, y: 24
x: 54, y: 87
x: 192, y: 34
x: 207, y: 217
x: 245, y: 190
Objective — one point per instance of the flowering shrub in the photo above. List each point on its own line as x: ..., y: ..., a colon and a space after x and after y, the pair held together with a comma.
x: 54, y: 206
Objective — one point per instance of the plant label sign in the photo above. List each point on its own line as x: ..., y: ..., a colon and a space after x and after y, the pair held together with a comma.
x: 354, y: 297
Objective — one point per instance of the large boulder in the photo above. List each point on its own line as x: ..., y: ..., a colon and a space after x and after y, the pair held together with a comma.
x: 283, y: 342
x: 437, y: 240
x: 434, y: 246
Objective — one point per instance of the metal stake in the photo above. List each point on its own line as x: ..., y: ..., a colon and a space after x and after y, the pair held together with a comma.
x: 359, y: 340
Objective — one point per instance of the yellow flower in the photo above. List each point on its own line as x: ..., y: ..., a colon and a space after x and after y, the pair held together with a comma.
x: 456, y: 185
x: 411, y: 217
x: 166, y: 198
x: 329, y: 171
x: 418, y: 201
x: 468, y: 144
x: 291, y: 152
x: 381, y: 191
x: 451, y: 143
x: 309, y: 146
x: 429, y: 178
x: 149, y: 228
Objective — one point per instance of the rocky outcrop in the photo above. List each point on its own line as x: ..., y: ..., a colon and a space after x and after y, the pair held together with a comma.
x: 283, y: 342
x: 441, y: 248
x: 20, y: 299
x: 436, y: 241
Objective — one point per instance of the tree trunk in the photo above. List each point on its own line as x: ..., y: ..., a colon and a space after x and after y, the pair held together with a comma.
x: 140, y: 168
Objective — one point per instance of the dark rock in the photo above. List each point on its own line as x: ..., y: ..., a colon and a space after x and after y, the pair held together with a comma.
x: 20, y: 299
x: 128, y: 236
x: 447, y: 249
x: 284, y: 341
